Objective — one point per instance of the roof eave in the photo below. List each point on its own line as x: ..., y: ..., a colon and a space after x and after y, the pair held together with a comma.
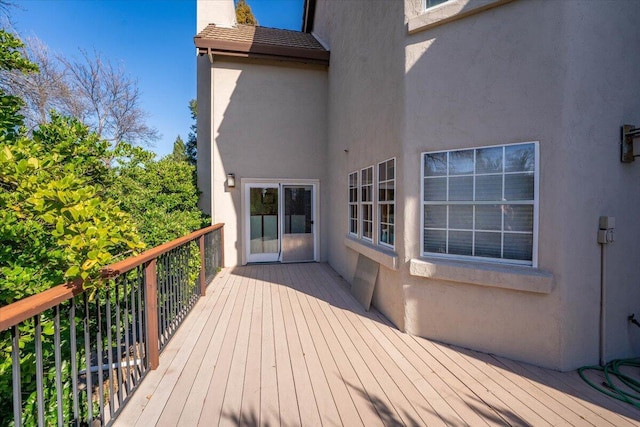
x: 234, y: 48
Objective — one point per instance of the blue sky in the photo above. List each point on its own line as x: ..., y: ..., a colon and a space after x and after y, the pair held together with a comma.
x: 151, y: 39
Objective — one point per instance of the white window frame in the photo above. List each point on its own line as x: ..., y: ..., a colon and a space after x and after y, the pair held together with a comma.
x: 535, y: 203
x: 425, y: 4
x: 369, y: 204
x: 382, y: 203
x: 353, y: 203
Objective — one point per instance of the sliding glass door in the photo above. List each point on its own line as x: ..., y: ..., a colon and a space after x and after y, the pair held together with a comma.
x: 279, y: 222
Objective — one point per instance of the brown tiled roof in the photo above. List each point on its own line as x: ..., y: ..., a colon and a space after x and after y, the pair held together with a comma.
x: 247, y: 40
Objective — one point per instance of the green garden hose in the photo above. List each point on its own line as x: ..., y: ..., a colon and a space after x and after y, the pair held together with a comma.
x: 612, y: 370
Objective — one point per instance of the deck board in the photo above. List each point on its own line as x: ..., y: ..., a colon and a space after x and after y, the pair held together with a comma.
x: 250, y: 400
x: 287, y: 345
x: 211, y: 411
x: 269, y: 404
x: 344, y: 377
x: 207, y: 361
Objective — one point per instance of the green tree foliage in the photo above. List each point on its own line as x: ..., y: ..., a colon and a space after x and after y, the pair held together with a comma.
x: 11, y: 60
x: 192, y: 141
x: 179, y: 150
x: 55, y: 224
x: 244, y: 15
x: 65, y: 214
x: 159, y: 194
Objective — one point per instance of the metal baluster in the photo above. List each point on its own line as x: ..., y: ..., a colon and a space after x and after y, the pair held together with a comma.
x: 74, y: 362
x: 110, y: 351
x: 161, y: 314
x: 192, y: 287
x: 188, y: 286
x: 100, y: 359
x: 163, y: 300
x: 207, y: 257
x: 142, y: 322
x: 134, y: 335
x: 169, y: 295
x: 176, y: 288
x: 215, y: 249
x: 39, y: 370
x: 58, y: 361
x: 17, y: 386
x: 87, y: 356
x: 118, y: 343
x: 125, y: 296
x: 172, y: 292
x: 180, y: 284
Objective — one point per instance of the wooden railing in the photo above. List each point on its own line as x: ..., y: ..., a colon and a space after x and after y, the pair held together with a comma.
x: 88, y: 355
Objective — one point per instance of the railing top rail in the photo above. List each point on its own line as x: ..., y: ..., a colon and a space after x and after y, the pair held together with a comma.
x: 128, y: 264
x: 22, y: 310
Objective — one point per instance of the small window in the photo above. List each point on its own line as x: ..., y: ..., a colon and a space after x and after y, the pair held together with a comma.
x: 481, y: 203
x: 386, y: 201
x: 431, y: 3
x: 366, y: 202
x: 353, y: 204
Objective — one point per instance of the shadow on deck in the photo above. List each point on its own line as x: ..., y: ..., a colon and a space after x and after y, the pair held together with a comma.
x: 275, y: 345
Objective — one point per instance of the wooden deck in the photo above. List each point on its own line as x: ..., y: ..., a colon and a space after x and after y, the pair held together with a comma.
x: 287, y: 345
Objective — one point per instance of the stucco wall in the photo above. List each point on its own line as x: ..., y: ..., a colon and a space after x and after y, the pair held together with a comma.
x: 365, y: 123
x: 602, y: 93
x: 219, y: 12
x: 493, y: 78
x: 203, y: 126
x: 269, y: 121
x: 554, y: 72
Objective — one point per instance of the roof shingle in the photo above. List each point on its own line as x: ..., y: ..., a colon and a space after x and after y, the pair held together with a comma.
x: 247, y: 40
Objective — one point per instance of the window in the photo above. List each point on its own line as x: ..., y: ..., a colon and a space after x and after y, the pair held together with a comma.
x: 386, y: 201
x: 353, y: 204
x: 481, y: 203
x: 366, y: 205
x: 431, y: 3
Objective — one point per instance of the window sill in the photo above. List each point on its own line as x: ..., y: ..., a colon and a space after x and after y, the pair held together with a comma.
x: 450, y: 11
x: 378, y: 254
x: 511, y: 277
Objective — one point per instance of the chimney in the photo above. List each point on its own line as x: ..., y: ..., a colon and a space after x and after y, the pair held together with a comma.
x: 219, y: 12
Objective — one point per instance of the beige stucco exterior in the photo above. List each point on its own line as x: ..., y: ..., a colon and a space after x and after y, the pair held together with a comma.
x: 253, y: 140
x: 402, y: 82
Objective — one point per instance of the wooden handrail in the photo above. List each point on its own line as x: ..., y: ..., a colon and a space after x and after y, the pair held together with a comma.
x: 128, y: 264
x: 20, y: 311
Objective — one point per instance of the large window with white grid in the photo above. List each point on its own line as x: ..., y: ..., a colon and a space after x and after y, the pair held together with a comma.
x: 386, y: 202
x: 481, y: 203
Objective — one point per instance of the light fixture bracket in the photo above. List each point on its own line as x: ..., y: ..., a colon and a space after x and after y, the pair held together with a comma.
x: 629, y: 133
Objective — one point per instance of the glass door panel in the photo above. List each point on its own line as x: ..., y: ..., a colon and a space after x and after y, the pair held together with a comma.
x: 264, y: 242
x: 298, y: 242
